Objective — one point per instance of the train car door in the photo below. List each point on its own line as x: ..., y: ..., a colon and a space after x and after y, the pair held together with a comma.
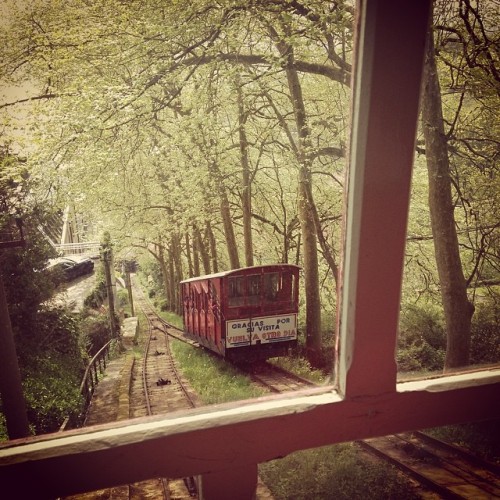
x: 204, y: 309
x: 188, y: 308
x: 237, y: 324
x: 213, y: 313
x: 196, y: 308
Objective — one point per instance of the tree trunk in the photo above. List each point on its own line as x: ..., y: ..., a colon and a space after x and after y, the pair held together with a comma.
x: 171, y: 281
x: 457, y: 309
x: 177, y: 275
x: 165, y: 275
x: 14, y: 407
x: 227, y: 222
x: 202, y: 250
x: 196, y: 254
x: 306, y: 212
x: 246, y: 195
x: 190, y: 256
x: 311, y: 275
x: 213, y: 247
x: 107, y: 259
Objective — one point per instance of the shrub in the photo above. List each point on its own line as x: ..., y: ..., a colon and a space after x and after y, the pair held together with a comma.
x: 3, y: 428
x: 59, y: 331
x: 161, y: 304
x: 122, y: 298
x: 51, y: 390
x: 322, y: 360
x: 96, y: 298
x: 422, y: 339
x: 485, y: 333
x: 97, y: 330
x: 51, y: 368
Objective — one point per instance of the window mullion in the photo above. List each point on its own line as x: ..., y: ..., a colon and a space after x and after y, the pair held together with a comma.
x: 388, y: 70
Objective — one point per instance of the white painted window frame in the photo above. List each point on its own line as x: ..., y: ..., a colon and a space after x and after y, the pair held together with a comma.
x: 225, y: 443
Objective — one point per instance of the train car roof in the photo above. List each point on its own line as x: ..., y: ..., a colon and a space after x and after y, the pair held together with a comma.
x: 234, y: 271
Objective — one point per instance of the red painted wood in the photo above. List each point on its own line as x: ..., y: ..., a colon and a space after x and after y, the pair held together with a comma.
x: 234, y: 436
x: 224, y: 441
x: 386, y: 95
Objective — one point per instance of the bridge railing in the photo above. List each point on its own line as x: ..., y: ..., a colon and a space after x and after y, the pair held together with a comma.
x: 82, y: 248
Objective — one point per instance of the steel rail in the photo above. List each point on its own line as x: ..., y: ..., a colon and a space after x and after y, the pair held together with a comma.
x: 449, y: 471
x: 151, y: 315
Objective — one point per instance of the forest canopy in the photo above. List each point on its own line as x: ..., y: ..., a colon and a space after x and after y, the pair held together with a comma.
x: 214, y: 134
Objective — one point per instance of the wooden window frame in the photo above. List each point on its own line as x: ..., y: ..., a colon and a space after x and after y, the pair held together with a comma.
x: 225, y: 443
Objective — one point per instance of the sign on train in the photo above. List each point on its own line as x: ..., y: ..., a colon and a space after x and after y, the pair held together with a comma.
x: 261, y: 330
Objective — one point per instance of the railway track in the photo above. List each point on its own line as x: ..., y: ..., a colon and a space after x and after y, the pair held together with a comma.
x: 447, y: 470
x: 275, y: 379
x: 157, y: 388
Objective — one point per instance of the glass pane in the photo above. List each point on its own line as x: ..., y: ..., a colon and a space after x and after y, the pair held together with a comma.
x: 271, y: 286
x: 253, y: 289
x: 450, y: 311
x: 237, y: 291
x: 187, y: 152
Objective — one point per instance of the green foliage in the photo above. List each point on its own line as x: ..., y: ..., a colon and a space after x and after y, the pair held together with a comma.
x: 334, y: 472
x: 301, y: 367
x: 51, y: 390
x: 485, y: 330
x: 481, y: 438
x: 172, y: 318
x: 122, y: 298
x: 4, y: 436
x: 422, y: 340
x: 152, y: 278
x: 58, y: 331
x: 27, y: 283
x: 47, y: 336
x: 51, y: 362
x: 323, y: 360
x: 96, y: 298
x: 97, y: 331
x: 212, y: 378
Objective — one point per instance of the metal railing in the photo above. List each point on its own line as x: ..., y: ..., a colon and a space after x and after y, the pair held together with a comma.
x: 90, y: 379
x: 82, y: 248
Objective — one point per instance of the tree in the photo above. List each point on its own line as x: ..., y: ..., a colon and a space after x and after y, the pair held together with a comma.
x: 457, y: 309
x: 33, y: 331
x: 106, y: 129
x: 246, y: 191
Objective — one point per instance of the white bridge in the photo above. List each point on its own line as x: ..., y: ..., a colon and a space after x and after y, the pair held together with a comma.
x: 83, y: 249
x: 66, y: 235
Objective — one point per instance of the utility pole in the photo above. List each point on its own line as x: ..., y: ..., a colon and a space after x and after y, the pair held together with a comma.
x: 128, y: 283
x: 107, y: 258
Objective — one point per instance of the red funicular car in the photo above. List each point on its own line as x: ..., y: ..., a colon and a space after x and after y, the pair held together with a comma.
x: 244, y: 314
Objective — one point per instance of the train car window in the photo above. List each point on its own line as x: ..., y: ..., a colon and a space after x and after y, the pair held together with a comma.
x: 253, y: 289
x: 272, y: 286
x: 236, y: 293
x: 286, y: 291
